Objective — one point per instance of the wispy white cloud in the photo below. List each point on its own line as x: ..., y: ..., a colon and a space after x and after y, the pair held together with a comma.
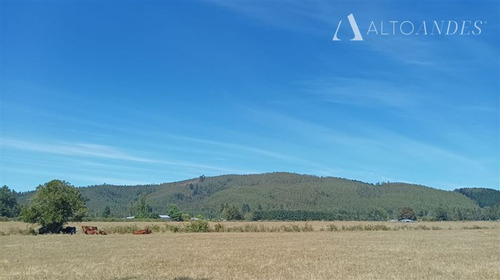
x: 294, y: 15
x: 106, y: 152
x: 423, y: 151
x: 75, y: 149
x: 366, y: 145
x: 361, y: 92
x: 286, y: 158
x: 307, y: 129
x: 247, y: 148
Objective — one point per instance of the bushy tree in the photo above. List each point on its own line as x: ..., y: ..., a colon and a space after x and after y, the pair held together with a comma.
x: 8, y: 203
x: 141, y: 207
x: 54, y: 204
x: 441, y: 214
x: 377, y: 214
x: 231, y: 213
x: 245, y: 208
x: 144, y: 210
x: 198, y: 226
x: 249, y: 216
x: 406, y: 213
x: 174, y: 212
x: 107, y: 212
x: 199, y: 216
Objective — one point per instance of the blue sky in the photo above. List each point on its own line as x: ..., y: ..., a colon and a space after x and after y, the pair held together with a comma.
x: 135, y: 92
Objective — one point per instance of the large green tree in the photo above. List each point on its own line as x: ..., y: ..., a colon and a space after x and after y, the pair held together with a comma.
x: 174, y: 212
x: 231, y: 213
x: 54, y: 204
x: 8, y: 203
x: 144, y: 210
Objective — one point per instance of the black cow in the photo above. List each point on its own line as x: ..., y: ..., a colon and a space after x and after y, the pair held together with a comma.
x: 50, y: 230
x: 69, y: 230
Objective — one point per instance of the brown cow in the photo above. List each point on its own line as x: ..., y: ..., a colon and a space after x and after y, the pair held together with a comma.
x: 142, y: 231
x: 95, y: 232
x: 89, y: 230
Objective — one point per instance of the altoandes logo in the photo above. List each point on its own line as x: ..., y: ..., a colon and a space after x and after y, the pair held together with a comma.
x: 464, y: 27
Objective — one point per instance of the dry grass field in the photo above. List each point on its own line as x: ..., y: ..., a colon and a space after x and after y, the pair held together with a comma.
x: 450, y: 253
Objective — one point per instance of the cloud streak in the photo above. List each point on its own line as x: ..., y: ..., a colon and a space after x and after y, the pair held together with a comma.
x: 102, y: 151
x: 368, y: 145
x: 288, y: 157
x: 361, y: 92
x: 77, y: 149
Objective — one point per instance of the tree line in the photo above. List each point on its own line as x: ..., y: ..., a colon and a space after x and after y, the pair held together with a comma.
x: 57, y: 202
x: 232, y: 212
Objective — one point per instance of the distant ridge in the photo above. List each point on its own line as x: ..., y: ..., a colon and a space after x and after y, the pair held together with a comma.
x: 335, y: 198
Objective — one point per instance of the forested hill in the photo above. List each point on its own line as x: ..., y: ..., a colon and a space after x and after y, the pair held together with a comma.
x: 483, y: 197
x: 279, y: 194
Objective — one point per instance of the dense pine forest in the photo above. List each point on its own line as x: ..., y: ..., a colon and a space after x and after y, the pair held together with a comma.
x: 287, y: 196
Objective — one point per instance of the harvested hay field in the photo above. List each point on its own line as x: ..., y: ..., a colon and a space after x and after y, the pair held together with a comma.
x: 451, y: 253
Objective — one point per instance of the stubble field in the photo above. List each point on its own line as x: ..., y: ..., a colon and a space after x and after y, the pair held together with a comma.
x: 456, y: 250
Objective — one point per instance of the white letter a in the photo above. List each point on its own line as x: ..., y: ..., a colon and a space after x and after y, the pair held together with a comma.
x: 355, y: 29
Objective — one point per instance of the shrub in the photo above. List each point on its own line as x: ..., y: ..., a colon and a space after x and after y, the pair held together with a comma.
x: 352, y: 228
x: 173, y: 228
x: 332, y: 227
x: 155, y: 228
x: 185, y: 217
x: 423, y: 227
x: 19, y: 231
x: 121, y: 229
x: 249, y: 216
x: 219, y: 227
x: 307, y: 228
x: 376, y: 227
x: 198, y: 226
x: 474, y: 227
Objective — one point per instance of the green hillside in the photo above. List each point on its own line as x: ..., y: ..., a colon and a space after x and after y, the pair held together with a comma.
x: 284, y: 196
x: 483, y: 197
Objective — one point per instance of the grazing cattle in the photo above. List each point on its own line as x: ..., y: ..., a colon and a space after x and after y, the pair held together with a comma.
x: 89, y: 229
x: 142, y: 231
x: 93, y: 230
x: 69, y: 230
